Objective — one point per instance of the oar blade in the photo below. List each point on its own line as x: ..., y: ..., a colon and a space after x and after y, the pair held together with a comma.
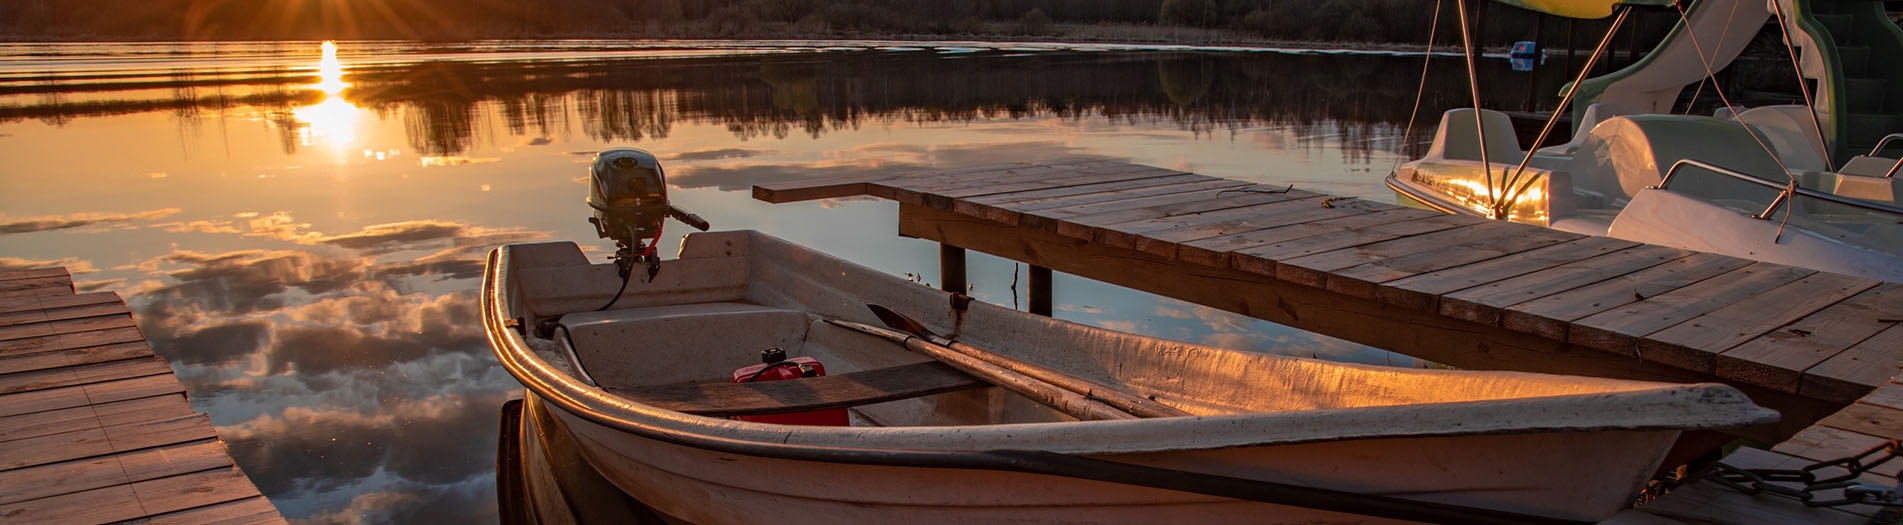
x: 901, y: 322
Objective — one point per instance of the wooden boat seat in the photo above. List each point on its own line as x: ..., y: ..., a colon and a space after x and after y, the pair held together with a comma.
x: 721, y: 399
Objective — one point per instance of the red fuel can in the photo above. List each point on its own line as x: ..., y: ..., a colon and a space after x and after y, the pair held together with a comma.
x: 775, y: 366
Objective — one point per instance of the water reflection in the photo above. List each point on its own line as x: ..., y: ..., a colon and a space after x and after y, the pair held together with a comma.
x: 307, y: 256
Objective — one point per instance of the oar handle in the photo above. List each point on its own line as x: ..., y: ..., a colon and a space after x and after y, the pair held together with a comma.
x: 1066, y: 401
x: 1125, y: 401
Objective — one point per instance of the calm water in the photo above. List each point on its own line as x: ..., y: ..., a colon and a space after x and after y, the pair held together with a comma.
x: 303, y: 242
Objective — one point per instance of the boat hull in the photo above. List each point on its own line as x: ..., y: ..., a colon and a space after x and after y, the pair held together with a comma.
x: 1565, y: 475
x: 1270, y: 436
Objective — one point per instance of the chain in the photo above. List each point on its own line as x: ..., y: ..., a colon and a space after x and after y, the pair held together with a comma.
x: 1764, y: 481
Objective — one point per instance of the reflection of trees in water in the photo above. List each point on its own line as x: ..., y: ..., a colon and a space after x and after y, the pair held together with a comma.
x: 440, y: 126
x: 1355, y: 102
x: 610, y: 115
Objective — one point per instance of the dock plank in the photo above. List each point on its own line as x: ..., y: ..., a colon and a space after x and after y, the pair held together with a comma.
x: 1002, y: 207
x: 33, y: 273
x: 1083, y: 222
x: 17, y: 363
x: 105, y: 505
x: 816, y: 189
x: 1069, y: 175
x: 105, y: 471
x: 1163, y: 242
x: 1128, y: 194
x: 1618, y: 330
x: 1691, y: 344
x: 36, y: 284
x: 1778, y: 359
x: 58, y: 342
x: 940, y: 191
x: 1819, y: 443
x: 1367, y: 280
x: 1483, y: 304
x: 1866, y: 419
x: 94, y: 428
x: 1265, y: 259
x: 83, y: 374
x: 1552, y: 316
x: 60, y: 327
x: 32, y: 304
x: 131, y: 411
x: 1855, y: 371
x: 64, y: 313
x: 177, y: 493
x: 1707, y: 502
x: 1423, y: 291
x: 1313, y: 270
x: 69, y: 446
x: 1218, y: 251
x: 248, y: 511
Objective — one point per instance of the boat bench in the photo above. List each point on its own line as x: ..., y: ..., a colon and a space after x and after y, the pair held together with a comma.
x: 721, y: 399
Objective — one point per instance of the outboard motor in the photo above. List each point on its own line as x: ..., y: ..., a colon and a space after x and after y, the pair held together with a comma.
x: 628, y: 191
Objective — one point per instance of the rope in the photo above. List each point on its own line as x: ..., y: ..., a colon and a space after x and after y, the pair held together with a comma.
x: 1407, y: 136
x: 1705, y: 61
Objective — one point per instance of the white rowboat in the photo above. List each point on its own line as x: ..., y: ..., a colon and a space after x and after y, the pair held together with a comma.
x: 1272, y: 439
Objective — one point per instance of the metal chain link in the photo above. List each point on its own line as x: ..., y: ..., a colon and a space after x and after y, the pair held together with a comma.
x: 1764, y: 481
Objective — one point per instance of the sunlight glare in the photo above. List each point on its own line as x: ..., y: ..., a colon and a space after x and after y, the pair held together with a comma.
x: 330, y: 72
x: 332, y: 122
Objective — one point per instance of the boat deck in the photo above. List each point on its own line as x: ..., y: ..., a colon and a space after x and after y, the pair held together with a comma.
x: 1461, y: 290
x: 94, y: 428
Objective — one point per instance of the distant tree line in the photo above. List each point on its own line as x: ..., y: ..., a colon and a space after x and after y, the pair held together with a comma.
x: 1389, y: 21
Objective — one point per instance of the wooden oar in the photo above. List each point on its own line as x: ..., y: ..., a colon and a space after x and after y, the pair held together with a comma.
x: 1125, y: 401
x: 1066, y: 401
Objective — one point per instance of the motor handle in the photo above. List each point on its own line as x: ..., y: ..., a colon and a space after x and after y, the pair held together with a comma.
x: 688, y: 218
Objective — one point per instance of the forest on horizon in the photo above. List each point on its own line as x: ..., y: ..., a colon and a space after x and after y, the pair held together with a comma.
x: 1371, y: 21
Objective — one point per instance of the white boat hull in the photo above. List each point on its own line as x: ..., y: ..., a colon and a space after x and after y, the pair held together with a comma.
x: 1508, y: 472
x: 1269, y: 433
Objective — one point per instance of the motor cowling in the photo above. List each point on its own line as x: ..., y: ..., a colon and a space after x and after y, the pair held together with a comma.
x: 628, y: 191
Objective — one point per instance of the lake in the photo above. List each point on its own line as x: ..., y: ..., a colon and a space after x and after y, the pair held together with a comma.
x: 302, y: 238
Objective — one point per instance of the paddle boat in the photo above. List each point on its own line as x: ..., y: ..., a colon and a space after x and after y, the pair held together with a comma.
x: 1789, y: 184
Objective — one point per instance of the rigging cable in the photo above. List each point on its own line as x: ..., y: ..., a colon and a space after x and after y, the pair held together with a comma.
x: 1733, y: 15
x: 1473, y: 87
x: 1427, y: 59
x: 1513, y: 194
x: 1809, y: 103
x: 1705, y: 61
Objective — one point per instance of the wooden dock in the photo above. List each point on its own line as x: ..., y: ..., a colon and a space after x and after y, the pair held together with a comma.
x: 94, y: 428
x: 1465, y: 291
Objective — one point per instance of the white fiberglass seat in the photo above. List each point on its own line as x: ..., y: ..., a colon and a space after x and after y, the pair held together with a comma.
x: 1458, y: 138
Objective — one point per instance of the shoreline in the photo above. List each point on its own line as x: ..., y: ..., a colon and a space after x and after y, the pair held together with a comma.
x: 1066, y: 34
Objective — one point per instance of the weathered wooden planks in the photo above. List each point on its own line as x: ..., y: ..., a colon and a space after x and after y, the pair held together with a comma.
x: 1789, y: 329
x: 93, y: 426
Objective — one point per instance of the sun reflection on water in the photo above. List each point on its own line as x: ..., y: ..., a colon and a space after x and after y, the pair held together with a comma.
x: 330, y: 72
x: 333, y: 121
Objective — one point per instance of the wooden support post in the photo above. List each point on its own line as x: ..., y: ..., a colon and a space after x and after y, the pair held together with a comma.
x: 1040, y: 291
x: 951, y: 268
